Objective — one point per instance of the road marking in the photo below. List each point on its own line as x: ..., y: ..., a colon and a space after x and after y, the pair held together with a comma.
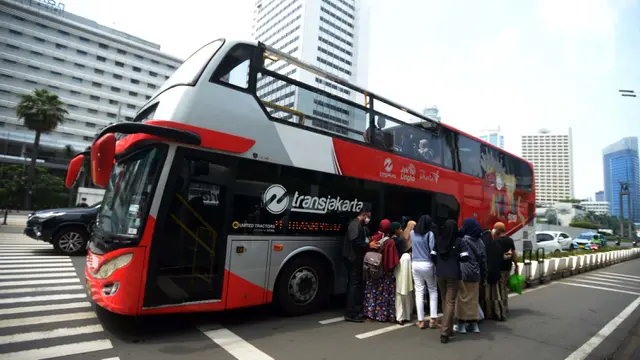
x: 48, y: 319
x: 41, y: 289
x: 60, y: 350
x: 47, y: 265
x: 35, y: 270
x: 235, y: 345
x: 35, y: 257
x: 4, y: 255
x: 112, y: 358
x: 383, y: 330
x: 613, y: 277
x: 36, y: 276
x: 582, y: 352
x: 600, y: 288
x: 38, y: 308
x: 50, y: 334
x: 622, y: 275
x: 606, y: 280
x: 40, y: 282
x: 332, y: 320
x: 24, y: 246
x: 33, y: 261
x: 42, y: 298
x: 608, y: 284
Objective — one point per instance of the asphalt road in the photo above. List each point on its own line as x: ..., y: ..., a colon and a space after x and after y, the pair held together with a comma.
x: 44, y: 313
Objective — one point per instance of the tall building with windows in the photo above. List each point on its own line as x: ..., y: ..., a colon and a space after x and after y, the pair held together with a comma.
x: 493, y: 137
x: 103, y: 75
x: 552, y: 157
x: 600, y: 196
x: 620, y: 161
x: 432, y: 112
x: 330, y: 34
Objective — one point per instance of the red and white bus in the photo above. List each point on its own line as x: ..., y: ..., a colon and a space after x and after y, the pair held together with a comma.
x: 233, y: 185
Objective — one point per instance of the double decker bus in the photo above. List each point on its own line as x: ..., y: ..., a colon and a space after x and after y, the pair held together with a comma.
x: 233, y: 186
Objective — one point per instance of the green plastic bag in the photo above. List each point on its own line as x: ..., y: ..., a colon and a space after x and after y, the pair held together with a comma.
x: 516, y: 283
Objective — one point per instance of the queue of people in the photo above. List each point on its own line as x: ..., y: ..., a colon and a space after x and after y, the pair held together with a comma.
x: 392, y: 272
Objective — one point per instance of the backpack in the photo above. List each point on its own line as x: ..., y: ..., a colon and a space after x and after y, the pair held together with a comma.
x: 372, y: 267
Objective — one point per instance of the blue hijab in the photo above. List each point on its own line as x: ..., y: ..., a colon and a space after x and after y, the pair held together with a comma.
x: 471, y: 227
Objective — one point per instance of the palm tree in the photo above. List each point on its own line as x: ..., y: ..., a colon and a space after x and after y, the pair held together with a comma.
x: 42, y: 111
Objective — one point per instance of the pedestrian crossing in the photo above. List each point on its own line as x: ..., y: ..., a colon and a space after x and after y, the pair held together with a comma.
x: 44, y: 310
x: 607, y: 280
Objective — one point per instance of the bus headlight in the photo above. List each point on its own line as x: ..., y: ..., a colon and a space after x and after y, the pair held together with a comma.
x: 112, y: 265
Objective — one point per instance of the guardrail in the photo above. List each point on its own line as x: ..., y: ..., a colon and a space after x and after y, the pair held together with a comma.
x: 543, y: 270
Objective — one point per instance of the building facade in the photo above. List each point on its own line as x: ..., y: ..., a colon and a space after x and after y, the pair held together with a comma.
x: 493, y: 137
x: 598, y: 207
x: 620, y: 163
x: 432, y: 112
x: 552, y: 157
x: 330, y: 34
x: 600, y: 196
x: 101, y: 74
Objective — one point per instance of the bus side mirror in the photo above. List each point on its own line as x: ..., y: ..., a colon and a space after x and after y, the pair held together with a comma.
x: 103, y: 153
x: 74, y: 170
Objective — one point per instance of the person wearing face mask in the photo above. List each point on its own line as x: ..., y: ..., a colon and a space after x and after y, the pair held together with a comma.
x: 354, y: 247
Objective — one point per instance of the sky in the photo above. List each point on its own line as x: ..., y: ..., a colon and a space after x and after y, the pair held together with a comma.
x: 521, y: 65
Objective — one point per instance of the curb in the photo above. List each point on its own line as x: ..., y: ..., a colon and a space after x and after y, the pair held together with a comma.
x: 538, y: 272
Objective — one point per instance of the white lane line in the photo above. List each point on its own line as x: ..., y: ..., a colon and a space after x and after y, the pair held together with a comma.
x: 60, y: 350
x: 42, y: 298
x: 38, y: 308
x: 601, y: 283
x: 332, y: 320
x: 34, y: 270
x: 47, y: 265
x: 33, y: 261
x: 25, y: 246
x: 34, y: 257
x: 47, y: 319
x: 621, y: 275
x: 235, y: 345
x: 582, y: 352
x: 55, y: 333
x: 383, y: 330
x: 614, y: 277
x: 607, y: 281
x: 600, y: 288
x: 40, y: 282
x: 4, y: 256
x: 37, y: 276
x: 112, y: 358
x: 41, y: 289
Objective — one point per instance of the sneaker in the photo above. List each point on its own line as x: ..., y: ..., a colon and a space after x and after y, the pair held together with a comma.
x: 460, y: 328
x: 475, y: 328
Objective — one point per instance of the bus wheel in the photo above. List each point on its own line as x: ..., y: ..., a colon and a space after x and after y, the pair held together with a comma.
x: 71, y: 241
x: 303, y: 286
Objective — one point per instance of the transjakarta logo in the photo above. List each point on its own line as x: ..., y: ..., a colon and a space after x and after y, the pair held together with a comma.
x: 276, y: 201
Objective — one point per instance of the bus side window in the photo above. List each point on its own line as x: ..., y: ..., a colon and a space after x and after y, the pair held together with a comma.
x: 469, y: 153
x: 234, y: 68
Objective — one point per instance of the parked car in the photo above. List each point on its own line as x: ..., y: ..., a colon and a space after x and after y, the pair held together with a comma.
x: 548, y: 242
x: 565, y: 240
x: 67, y: 229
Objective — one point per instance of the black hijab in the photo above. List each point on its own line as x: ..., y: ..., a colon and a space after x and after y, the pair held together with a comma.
x: 447, y: 239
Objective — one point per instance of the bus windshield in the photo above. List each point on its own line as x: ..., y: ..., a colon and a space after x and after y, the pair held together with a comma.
x: 128, y: 196
x: 190, y: 70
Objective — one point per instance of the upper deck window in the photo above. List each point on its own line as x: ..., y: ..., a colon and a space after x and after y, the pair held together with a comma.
x: 189, y: 72
x: 234, y: 69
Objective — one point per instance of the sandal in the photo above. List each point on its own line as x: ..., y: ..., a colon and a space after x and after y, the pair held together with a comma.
x: 421, y: 325
x: 433, y: 324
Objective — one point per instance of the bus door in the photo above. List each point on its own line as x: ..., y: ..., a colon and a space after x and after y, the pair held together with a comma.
x: 189, y: 244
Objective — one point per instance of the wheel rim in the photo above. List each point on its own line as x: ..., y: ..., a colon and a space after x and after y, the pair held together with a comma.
x: 303, y: 286
x: 70, y: 242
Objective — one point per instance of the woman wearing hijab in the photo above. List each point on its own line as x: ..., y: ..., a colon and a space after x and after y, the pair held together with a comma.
x: 404, y: 278
x: 472, y: 273
x: 450, y: 252
x: 380, y: 293
x: 423, y: 269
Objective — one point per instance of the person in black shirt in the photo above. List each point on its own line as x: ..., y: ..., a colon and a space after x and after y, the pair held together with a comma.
x: 509, y: 256
x: 354, y: 247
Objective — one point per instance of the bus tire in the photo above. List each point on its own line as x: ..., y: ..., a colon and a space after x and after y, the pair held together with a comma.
x: 71, y: 240
x: 303, y: 285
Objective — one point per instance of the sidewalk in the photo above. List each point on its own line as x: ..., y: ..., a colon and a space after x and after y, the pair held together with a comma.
x: 630, y: 347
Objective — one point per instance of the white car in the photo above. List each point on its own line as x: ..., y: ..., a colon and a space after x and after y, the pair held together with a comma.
x: 548, y: 242
x: 565, y: 240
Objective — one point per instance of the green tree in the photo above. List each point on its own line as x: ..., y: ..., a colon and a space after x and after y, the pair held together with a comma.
x: 49, y: 190
x: 41, y: 111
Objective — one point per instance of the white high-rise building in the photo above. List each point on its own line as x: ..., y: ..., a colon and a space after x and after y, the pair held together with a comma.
x: 493, y: 136
x: 598, y: 207
x: 552, y: 157
x: 330, y: 34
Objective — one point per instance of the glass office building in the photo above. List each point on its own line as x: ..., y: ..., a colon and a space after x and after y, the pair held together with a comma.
x: 621, y: 165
